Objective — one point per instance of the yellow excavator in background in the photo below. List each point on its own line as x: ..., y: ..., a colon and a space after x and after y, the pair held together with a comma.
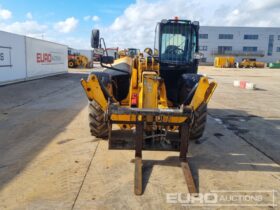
x: 158, y: 100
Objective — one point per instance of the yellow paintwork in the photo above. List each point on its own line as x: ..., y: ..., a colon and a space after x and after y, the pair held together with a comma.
x: 224, y: 62
x: 79, y: 61
x: 82, y: 61
x: 199, y: 96
x: 150, y: 88
x: 151, y: 91
x: 247, y: 63
x: 94, y: 91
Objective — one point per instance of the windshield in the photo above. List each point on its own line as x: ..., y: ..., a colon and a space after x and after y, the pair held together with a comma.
x: 133, y: 52
x: 175, y: 43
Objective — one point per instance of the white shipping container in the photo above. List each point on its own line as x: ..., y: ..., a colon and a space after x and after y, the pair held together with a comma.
x: 12, y: 58
x: 45, y: 58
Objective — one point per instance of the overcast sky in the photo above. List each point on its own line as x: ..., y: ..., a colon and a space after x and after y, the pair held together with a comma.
x: 126, y: 23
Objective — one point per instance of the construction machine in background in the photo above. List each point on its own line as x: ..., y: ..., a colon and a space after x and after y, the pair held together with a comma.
x: 76, y: 60
x: 112, y: 52
x: 251, y: 63
x: 132, y: 52
x: 157, y: 100
x: 224, y: 62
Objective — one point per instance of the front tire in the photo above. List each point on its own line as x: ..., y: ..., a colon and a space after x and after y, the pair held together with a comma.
x: 98, y: 126
x: 200, y: 119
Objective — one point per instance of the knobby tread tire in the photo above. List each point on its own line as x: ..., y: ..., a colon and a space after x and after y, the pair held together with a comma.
x: 200, y: 119
x: 98, y: 126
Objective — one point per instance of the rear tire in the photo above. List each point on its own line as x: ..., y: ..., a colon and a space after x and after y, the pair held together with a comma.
x: 97, y: 124
x: 200, y: 118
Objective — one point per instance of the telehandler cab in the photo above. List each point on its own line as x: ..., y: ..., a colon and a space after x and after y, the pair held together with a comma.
x: 157, y: 99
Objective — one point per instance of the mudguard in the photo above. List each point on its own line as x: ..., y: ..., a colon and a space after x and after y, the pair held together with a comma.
x: 186, y: 83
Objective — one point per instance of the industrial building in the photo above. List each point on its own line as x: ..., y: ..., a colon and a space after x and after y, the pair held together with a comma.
x: 259, y: 43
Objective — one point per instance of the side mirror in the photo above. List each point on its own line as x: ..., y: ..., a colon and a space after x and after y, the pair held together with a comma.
x: 198, y: 56
x: 95, y: 38
x: 107, y: 59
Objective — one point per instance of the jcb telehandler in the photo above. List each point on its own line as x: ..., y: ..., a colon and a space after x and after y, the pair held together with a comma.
x: 157, y: 99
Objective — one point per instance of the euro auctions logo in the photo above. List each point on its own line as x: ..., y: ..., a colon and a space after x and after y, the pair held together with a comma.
x: 50, y: 58
x: 44, y: 58
x: 225, y: 198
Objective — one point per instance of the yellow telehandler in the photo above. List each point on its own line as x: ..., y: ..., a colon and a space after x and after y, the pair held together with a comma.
x: 157, y: 100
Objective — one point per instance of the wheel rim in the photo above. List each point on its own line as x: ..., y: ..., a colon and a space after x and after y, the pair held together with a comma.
x: 71, y: 64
